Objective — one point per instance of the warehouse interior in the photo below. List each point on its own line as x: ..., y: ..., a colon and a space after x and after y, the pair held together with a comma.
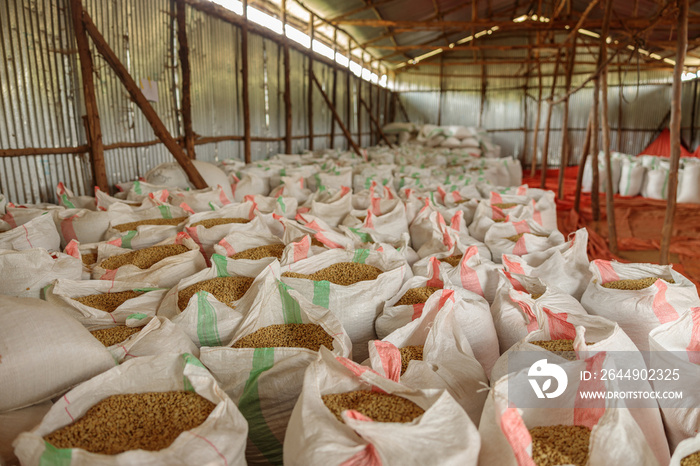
x: 309, y: 232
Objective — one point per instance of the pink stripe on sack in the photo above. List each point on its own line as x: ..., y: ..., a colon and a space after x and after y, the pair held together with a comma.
x: 496, y: 198
x: 109, y: 275
x: 344, y: 190
x: 536, y: 215
x: 417, y: 311
x: 301, y: 249
x: 522, y: 227
x: 520, y: 248
x: 467, y: 275
x: 303, y: 210
x: 558, y: 326
x: 456, y: 220
x: 369, y: 223
x: 522, y: 190
x: 367, y: 457
x: 693, y: 348
x: 26, y: 235
x: 662, y: 308
x: 588, y: 411
x: 442, y: 193
x: 514, y: 282
x: 357, y: 416
x: 389, y: 195
x: 497, y: 213
x: 222, y: 196
x: 427, y: 203
x: 181, y: 237
x: 67, y: 228
x: 229, y: 249
x: 518, y: 436
x: 357, y: 370
x: 322, y: 238
x: 211, y: 445
x: 512, y: 266
x: 187, y: 208
x: 434, y: 279
x: 10, y: 219
x: 456, y: 196
x: 72, y: 249
x: 607, y: 272
x: 390, y: 358
x: 376, y: 210
x: 116, y: 242
x: 447, y: 295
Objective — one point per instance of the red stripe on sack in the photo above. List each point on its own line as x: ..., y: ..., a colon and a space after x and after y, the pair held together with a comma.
x: 536, y: 215
x: 497, y: 213
x: 467, y: 275
x: 427, y: 203
x: 558, y: 325
x: 301, y: 183
x: 9, y: 219
x: 116, y: 242
x: 344, y: 190
x: 662, y: 308
x: 607, y: 272
x: 514, y: 282
x: 388, y: 192
x: 522, y: 191
x: 67, y: 228
x: 109, y: 275
x: 303, y: 210
x: 515, y: 431
x: 417, y: 311
x: 212, y: 445
x: 181, y: 237
x: 456, y: 196
x: 301, y: 249
x: 187, y: 208
x: 390, y: 357
x: 693, y: 348
x: 164, y: 195
x: 72, y: 249
x: 456, y: 220
x: 222, y: 196
x: 588, y: 411
x: 314, y: 226
x: 357, y: 416
x: 496, y: 198
x: 369, y: 223
x: 61, y: 188
x: 522, y: 227
x: 442, y: 193
x: 513, y: 267
x: 195, y: 236
x: 520, y: 248
x: 376, y: 210
x: 26, y: 234
x: 126, y: 352
x: 367, y: 457
x: 322, y: 238
x: 434, y: 279
x: 357, y: 370
x: 446, y: 238
x: 69, y: 414
x: 446, y: 295
x: 229, y: 249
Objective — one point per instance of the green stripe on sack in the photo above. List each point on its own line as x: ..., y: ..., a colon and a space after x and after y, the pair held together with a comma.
x: 165, y: 211
x: 137, y: 187
x: 259, y: 432
x: 126, y: 239
x: 360, y: 256
x: 190, y: 359
x: 364, y: 237
x: 221, y: 265
x: 290, y: 306
x: 147, y: 289
x: 53, y: 456
x: 207, y: 323
x: 66, y: 202
x: 280, y: 201
x: 137, y: 316
x: 212, y: 206
x: 322, y: 293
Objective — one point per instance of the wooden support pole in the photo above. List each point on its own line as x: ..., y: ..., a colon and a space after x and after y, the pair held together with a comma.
x: 526, y: 129
x: 565, y: 145
x: 385, y: 120
x: 548, y: 125
x: 348, y: 93
x: 582, y: 160
x: 402, y: 108
x: 246, y: 87
x: 376, y: 124
x: 482, y: 104
x: 692, y: 112
x: 682, y: 37
x: 369, y: 98
x: 377, y: 107
x: 347, y: 134
x: 605, y: 127
x: 359, y: 112
x: 620, y: 102
x: 184, y: 54
x: 94, y: 129
x: 442, y: 88
x: 287, y: 88
x: 334, y: 90
x: 137, y: 96
x: 536, y: 134
x: 595, y: 185
x: 310, y: 91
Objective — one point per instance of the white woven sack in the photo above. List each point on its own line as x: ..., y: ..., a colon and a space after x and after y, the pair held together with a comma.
x: 444, y: 434
x: 145, y: 235
x: 69, y: 200
x: 356, y: 305
x: 249, y: 184
x: 587, y: 180
x: 28, y: 272
x: 39, y: 232
x: 638, y: 311
x: 474, y: 273
x: 284, y: 206
x: 13, y: 423
x: 63, y: 292
x: 165, y: 273
x: 298, y: 250
x: 631, y: 177
x: 64, y: 352
x: 200, y: 200
x: 205, y: 319
x: 321, y: 231
x: 220, y: 438
x: 266, y: 382
x: 334, y: 208
x: 615, y: 438
x: 208, y: 237
x: 19, y: 215
x: 333, y: 180
x: 534, y: 238
x: 686, y: 448
x: 453, y: 248
x: 515, y: 312
x: 447, y: 354
x: 656, y: 183
x: 292, y: 186
x: 83, y: 225
x: 486, y: 216
x: 388, y: 227
x: 244, y: 240
x: 157, y: 336
x: 676, y: 345
x: 564, y: 267
x: 606, y: 337
x: 690, y: 184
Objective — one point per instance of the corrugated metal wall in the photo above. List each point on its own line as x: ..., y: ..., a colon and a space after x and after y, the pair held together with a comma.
x: 42, y: 100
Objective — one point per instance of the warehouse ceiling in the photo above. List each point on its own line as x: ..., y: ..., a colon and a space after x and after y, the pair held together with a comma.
x: 401, y: 32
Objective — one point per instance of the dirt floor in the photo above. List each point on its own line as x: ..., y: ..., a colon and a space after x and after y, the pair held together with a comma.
x: 638, y: 224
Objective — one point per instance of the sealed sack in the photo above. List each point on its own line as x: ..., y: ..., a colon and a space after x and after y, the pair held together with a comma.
x: 39, y: 232
x: 34, y: 269
x: 520, y: 238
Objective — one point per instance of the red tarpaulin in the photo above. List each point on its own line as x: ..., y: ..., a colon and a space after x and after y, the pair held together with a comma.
x: 661, y: 146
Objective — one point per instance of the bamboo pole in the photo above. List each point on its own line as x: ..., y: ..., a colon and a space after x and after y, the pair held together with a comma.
x: 609, y: 202
x: 310, y: 92
x: 94, y: 129
x: 287, y: 87
x: 548, y: 126
x: 376, y: 124
x: 244, y: 82
x: 334, y: 91
x: 682, y: 35
x: 582, y: 161
x: 137, y: 96
x: 565, y: 145
x: 347, y: 134
x: 186, y: 101
x: 536, y: 134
